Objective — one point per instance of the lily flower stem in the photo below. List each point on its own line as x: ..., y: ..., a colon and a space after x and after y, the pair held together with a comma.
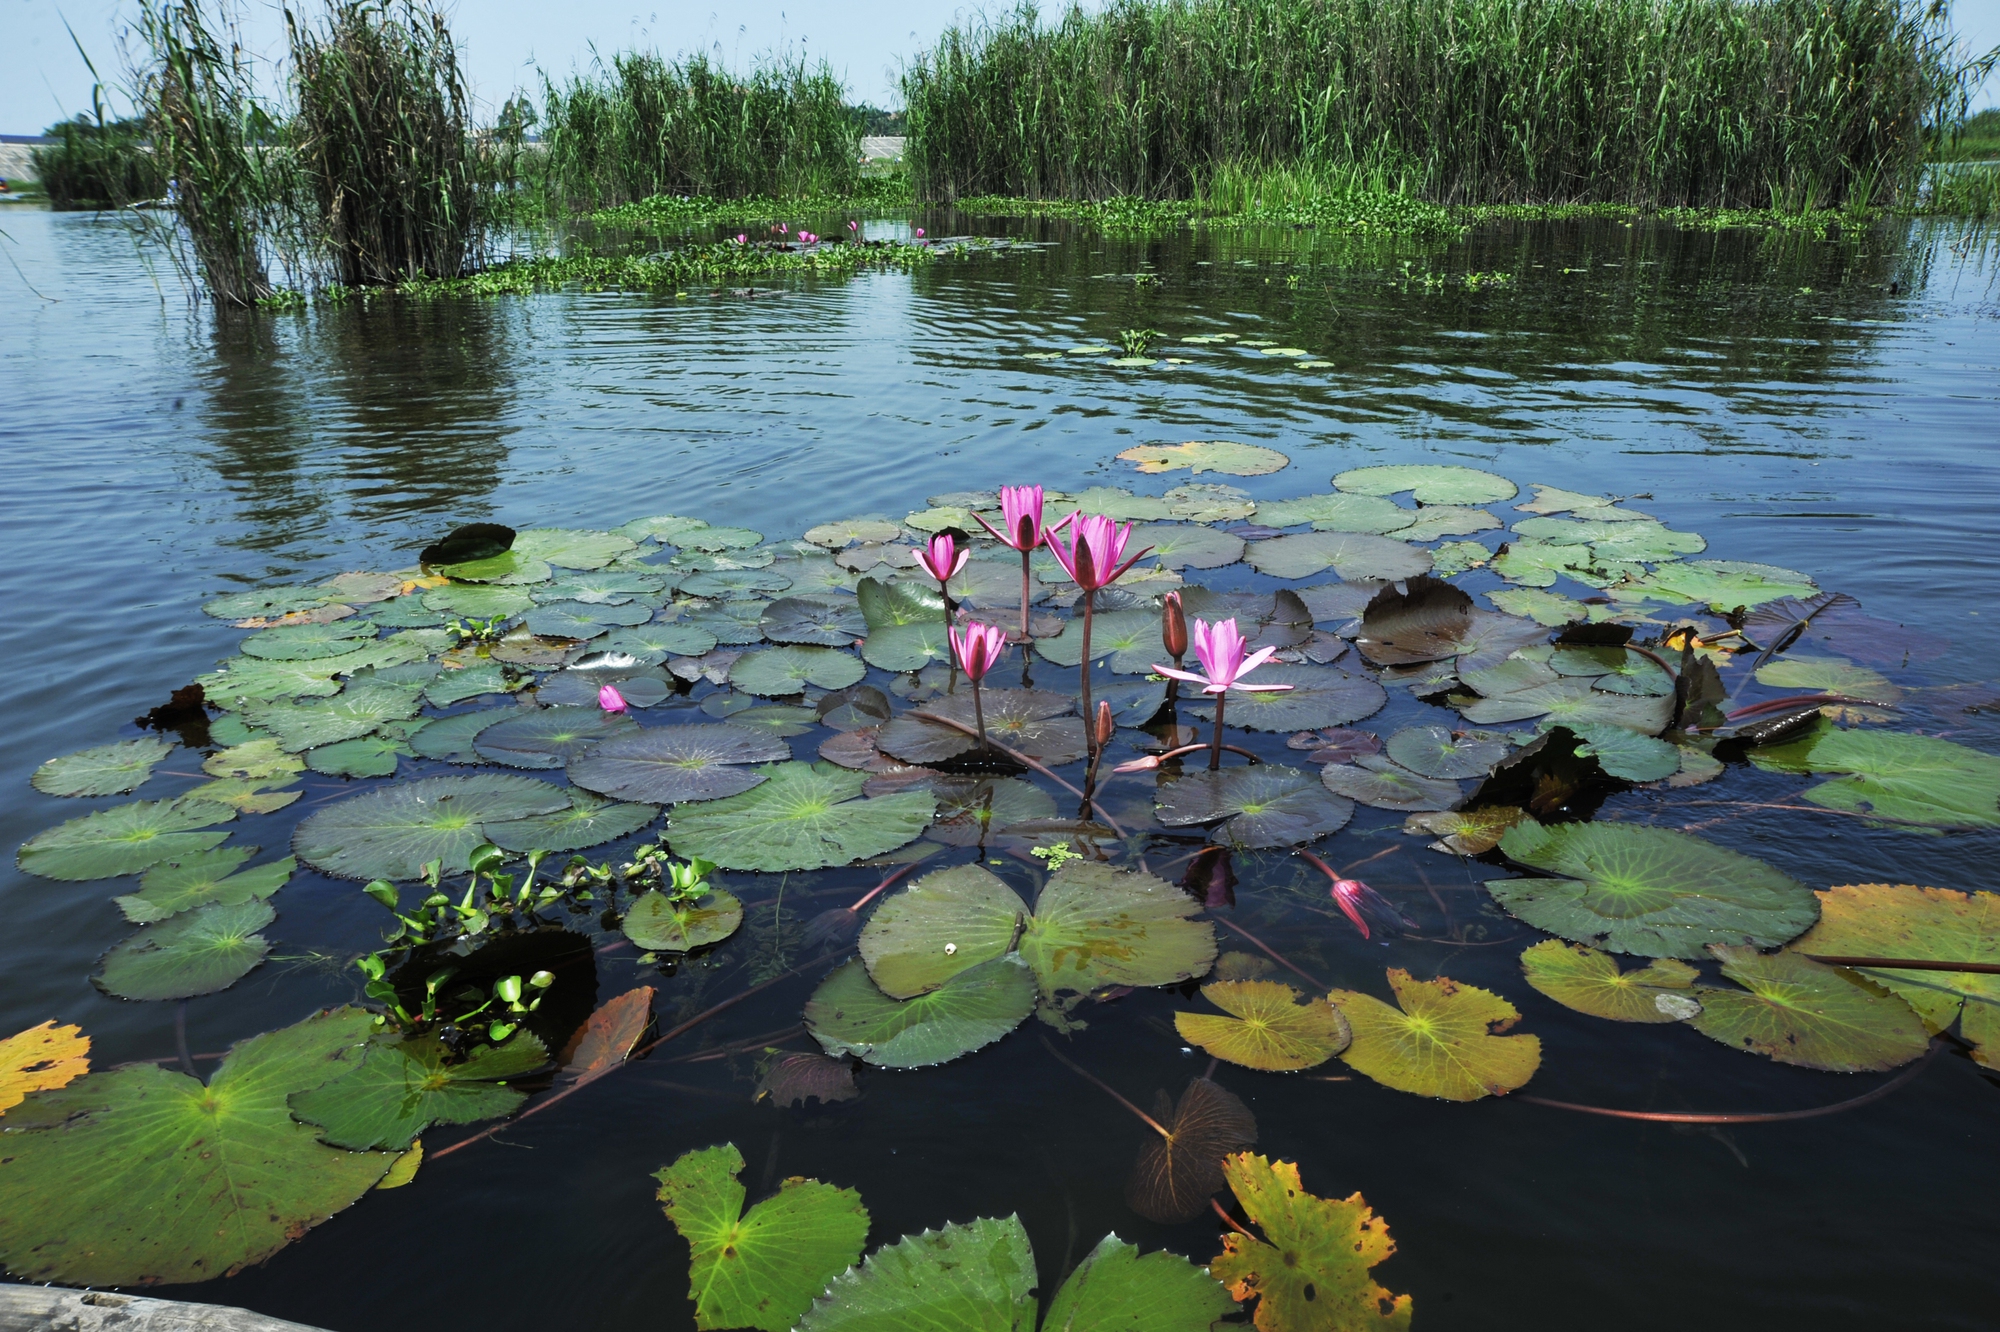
x: 1025, y: 583
x: 1215, y: 747
x: 1201, y: 745
x: 1228, y: 1220
x: 1105, y: 1087
x: 1027, y: 762
x: 1273, y: 953
x: 1765, y: 1117
x: 979, y: 716
x: 1089, y: 738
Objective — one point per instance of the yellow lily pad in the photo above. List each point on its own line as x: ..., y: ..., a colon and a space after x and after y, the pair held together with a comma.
x: 1273, y: 1027
x: 1310, y: 1272
x: 41, y: 1059
x: 1207, y: 455
x: 1590, y: 982
x: 1443, y: 1041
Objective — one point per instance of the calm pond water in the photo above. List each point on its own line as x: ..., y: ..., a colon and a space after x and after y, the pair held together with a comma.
x: 1832, y: 408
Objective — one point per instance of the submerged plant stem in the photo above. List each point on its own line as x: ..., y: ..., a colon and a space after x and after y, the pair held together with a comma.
x: 1027, y: 762
x: 1215, y: 745
x: 1772, y: 1117
x: 1105, y: 1087
x: 1089, y: 735
x: 1026, y: 582
x: 1273, y: 953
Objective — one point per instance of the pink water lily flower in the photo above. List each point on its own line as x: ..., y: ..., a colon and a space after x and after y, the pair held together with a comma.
x: 609, y: 699
x: 742, y: 239
x: 978, y: 647
x: 1357, y: 901
x: 1219, y: 649
x: 1021, y: 513
x: 1096, y: 545
x: 854, y: 226
x: 942, y: 558
x: 920, y: 231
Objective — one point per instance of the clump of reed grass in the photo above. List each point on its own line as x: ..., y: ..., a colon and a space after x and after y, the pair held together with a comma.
x: 98, y: 162
x: 214, y: 141
x: 1710, y: 103
x: 646, y: 126
x: 381, y: 141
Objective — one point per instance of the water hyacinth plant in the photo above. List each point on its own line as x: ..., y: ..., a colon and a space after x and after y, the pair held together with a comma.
x: 1021, y: 511
x: 978, y: 648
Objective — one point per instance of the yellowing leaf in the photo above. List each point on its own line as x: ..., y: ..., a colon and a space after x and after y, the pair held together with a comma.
x: 1310, y: 1272
x: 1590, y: 982
x: 1440, y: 1042
x: 1180, y: 1170
x: 1274, y: 1027
x: 405, y: 1168
x: 41, y: 1059
x: 1904, y: 920
x: 1212, y: 455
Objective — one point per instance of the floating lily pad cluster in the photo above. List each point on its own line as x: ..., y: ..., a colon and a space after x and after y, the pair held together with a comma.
x: 785, y: 707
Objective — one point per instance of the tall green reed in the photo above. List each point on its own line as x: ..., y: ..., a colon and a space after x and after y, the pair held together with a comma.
x: 98, y: 162
x: 646, y: 126
x: 1744, y: 103
x: 381, y: 142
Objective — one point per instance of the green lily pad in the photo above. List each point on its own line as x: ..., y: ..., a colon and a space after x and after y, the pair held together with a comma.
x: 775, y: 720
x: 942, y: 924
x: 308, y: 642
x: 847, y: 1014
x: 1034, y: 722
x: 974, y: 810
x: 818, y: 575
x: 487, y: 677
x: 659, y: 924
x: 1626, y: 755
x: 651, y: 644
x: 763, y: 1267
x: 196, y: 952
x: 1440, y: 1041
x: 1320, y: 696
x: 852, y: 532
x: 1570, y: 701
x: 1551, y: 609
x: 1209, y: 502
x: 1615, y: 670
x: 582, y: 619
x: 1271, y: 1026
x: 582, y: 686
x: 265, y: 602
x: 479, y: 601
x: 402, y: 1087
x: 1185, y: 546
x: 1903, y: 778
x: 1380, y: 782
x: 896, y: 602
x: 664, y: 765
x: 1352, y: 555
x: 806, y: 816
x: 1438, y: 752
x: 1112, y: 502
x: 1311, y: 1269
x: 570, y: 548
x: 551, y: 737
x: 389, y: 833
x: 1210, y: 455
x: 112, y: 769
x: 1649, y: 891
x: 451, y: 738
x: 245, y: 680
x: 1336, y: 512
x: 979, y: 1276
x: 1128, y: 640
x: 1828, y: 675
x: 1724, y: 584
x: 828, y: 621
x: 202, y: 878
x: 509, y: 566
x: 144, y: 1175
x: 1541, y: 563
x: 1593, y: 508
x: 907, y: 647
x: 589, y: 821
x: 718, y: 538
x: 1906, y: 921
x: 1431, y: 483
x: 1455, y: 557
x: 1265, y: 806
x: 778, y: 672
x: 1095, y: 926
x: 368, y: 756
x: 1443, y: 520
x: 357, y: 711
x: 123, y: 839
x: 1796, y: 1011
x: 664, y: 528
x: 608, y: 587
x: 1590, y: 982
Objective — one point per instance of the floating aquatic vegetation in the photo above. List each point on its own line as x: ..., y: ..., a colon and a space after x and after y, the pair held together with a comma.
x: 1217, y: 455
x: 1650, y: 891
x: 1590, y: 982
x: 1428, y: 483
x: 1912, y: 779
x: 1796, y: 1011
x: 113, y: 769
x: 805, y: 816
x: 198, y: 951
x: 42, y: 1058
x: 1259, y: 807
x: 1441, y: 1040
x: 1352, y: 555
x: 1179, y: 1168
x: 1311, y: 1267
x: 229, y: 1176
x: 1270, y: 1026
x: 401, y: 1086
x: 124, y: 839
x: 849, y: 1014
x: 391, y: 832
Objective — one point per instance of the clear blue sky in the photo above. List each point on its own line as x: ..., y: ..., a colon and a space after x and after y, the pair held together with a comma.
x: 43, y: 80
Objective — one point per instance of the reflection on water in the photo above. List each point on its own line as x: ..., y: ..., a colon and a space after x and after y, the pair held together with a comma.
x: 1829, y: 407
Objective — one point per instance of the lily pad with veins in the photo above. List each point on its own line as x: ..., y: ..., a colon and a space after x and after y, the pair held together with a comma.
x: 1128, y: 640
x: 112, y: 769
x: 972, y: 811
x: 1430, y: 483
x: 1185, y: 546
x: 389, y: 833
x: 401, y: 1087
x: 1439, y: 752
x: 202, y: 878
x: 804, y: 816
x: 1311, y: 1269
x: 1378, y: 781
x: 551, y: 737
x: 1036, y: 722
x: 123, y: 839
x: 1655, y: 892
x: 651, y: 644
x: 1320, y: 696
x: 1796, y: 1011
x: 572, y: 548
x: 1257, y: 808
x: 1441, y: 1039
x: 848, y: 1014
x: 308, y: 642
x: 659, y: 924
x: 1219, y: 455
x: 1590, y: 982
x: 827, y: 621
x: 1179, y: 1171
x: 782, y: 671
x: 196, y: 952
x: 589, y: 821
x: 1916, y: 779
x: 663, y: 765
x: 1352, y: 555
x: 1270, y: 1026
x: 1336, y: 512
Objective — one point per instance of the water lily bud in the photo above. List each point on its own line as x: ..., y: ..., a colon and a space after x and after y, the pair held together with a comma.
x: 1106, y: 726
x: 609, y: 699
x: 1146, y: 764
x: 1173, y: 627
